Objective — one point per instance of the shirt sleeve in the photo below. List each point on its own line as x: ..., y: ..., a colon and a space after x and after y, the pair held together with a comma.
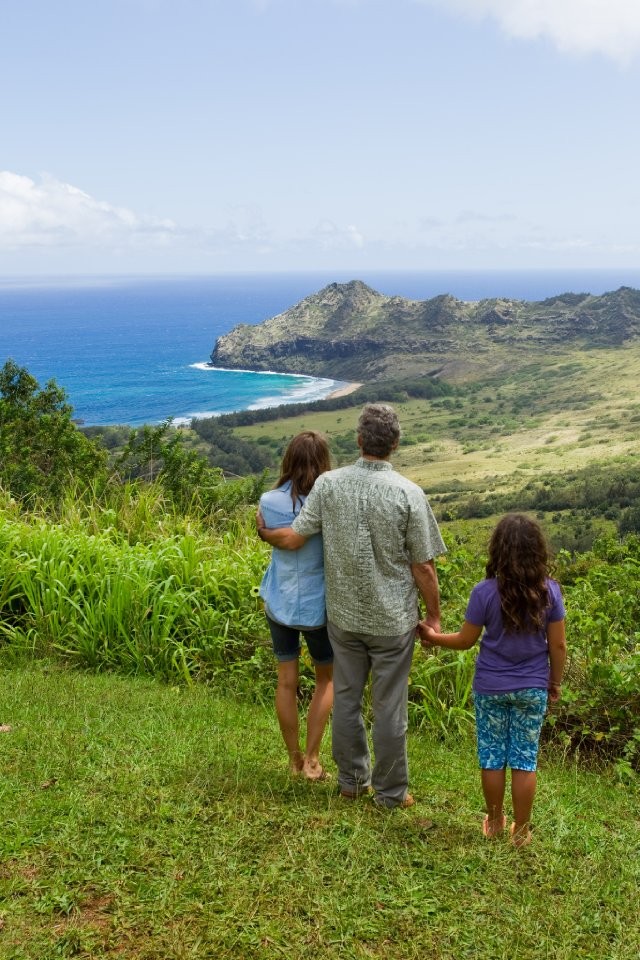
x: 476, y: 612
x: 272, y: 513
x: 556, y: 609
x: 423, y: 539
x: 309, y: 520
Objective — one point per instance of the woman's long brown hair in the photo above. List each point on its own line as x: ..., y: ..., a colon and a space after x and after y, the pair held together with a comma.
x: 306, y: 457
x: 518, y: 559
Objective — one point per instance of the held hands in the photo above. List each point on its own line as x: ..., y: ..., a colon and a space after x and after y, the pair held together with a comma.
x: 427, y: 631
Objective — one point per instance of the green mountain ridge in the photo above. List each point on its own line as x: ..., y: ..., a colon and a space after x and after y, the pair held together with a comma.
x: 350, y: 331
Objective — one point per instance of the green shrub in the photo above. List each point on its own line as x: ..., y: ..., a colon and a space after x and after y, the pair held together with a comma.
x: 601, y: 705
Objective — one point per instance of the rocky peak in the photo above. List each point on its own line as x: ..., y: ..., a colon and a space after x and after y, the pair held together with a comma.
x: 355, y: 294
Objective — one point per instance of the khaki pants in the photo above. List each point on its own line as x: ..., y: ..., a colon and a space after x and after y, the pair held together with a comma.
x: 388, y: 660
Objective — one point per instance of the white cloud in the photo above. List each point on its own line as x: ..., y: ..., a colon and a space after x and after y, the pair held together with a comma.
x: 329, y: 236
x: 52, y: 213
x: 610, y: 27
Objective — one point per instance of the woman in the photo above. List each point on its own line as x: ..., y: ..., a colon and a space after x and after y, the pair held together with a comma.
x: 293, y: 593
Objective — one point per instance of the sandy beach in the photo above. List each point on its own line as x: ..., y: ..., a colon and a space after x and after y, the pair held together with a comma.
x: 343, y: 391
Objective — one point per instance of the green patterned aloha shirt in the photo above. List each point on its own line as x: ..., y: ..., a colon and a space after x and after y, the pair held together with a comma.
x: 374, y: 523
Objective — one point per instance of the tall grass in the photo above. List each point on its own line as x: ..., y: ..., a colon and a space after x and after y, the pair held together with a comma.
x: 125, y: 581
x: 133, y: 588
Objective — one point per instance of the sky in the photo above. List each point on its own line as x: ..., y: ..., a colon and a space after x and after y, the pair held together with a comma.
x: 213, y: 136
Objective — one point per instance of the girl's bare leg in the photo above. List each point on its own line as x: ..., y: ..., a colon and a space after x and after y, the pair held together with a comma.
x: 493, y: 787
x: 319, y: 710
x: 287, y: 711
x: 523, y: 789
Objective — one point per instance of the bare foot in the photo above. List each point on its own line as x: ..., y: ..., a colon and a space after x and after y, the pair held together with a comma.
x: 313, y: 770
x: 296, y: 763
x: 493, y: 827
x: 520, y: 836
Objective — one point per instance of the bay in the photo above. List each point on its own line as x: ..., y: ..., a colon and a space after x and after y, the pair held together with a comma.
x: 135, y: 349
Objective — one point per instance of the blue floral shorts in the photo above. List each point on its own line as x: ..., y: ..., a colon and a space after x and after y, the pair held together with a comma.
x: 508, y: 728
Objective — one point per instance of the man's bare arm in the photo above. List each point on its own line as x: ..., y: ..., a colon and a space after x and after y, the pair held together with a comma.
x: 283, y: 537
x: 426, y: 579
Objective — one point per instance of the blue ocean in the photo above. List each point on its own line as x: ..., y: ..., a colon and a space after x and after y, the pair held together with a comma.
x: 135, y: 349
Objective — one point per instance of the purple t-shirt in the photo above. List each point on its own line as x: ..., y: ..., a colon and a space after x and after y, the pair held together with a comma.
x: 509, y: 661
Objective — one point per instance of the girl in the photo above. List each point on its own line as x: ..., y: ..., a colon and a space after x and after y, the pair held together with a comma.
x: 293, y: 594
x: 520, y: 663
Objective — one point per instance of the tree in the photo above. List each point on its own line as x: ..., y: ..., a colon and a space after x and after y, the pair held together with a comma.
x: 151, y: 454
x: 41, y: 449
x: 158, y: 455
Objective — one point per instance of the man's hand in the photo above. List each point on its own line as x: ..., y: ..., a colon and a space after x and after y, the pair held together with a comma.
x: 426, y: 580
x: 282, y: 537
x: 432, y: 623
x: 260, y: 527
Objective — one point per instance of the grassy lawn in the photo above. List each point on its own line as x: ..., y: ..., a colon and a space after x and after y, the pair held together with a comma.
x: 146, y: 821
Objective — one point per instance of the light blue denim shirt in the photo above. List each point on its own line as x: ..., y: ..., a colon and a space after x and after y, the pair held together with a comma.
x: 293, y: 586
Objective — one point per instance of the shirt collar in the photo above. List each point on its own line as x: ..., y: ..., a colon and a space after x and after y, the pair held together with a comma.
x: 373, y: 464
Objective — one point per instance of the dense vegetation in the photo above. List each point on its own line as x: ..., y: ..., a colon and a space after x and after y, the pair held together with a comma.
x: 610, y: 490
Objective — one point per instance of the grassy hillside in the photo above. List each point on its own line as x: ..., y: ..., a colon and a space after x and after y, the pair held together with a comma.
x: 552, y: 418
x: 159, y: 823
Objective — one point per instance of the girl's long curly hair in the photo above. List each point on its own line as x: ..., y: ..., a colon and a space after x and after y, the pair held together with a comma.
x: 306, y: 457
x: 518, y: 559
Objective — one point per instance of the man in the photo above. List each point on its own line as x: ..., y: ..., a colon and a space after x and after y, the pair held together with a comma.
x: 380, y: 539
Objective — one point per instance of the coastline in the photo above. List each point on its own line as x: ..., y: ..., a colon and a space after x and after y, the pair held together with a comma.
x: 269, y: 401
x: 343, y: 391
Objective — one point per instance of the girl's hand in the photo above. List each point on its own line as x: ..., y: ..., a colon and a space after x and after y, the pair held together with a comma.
x: 554, y: 691
x: 426, y: 634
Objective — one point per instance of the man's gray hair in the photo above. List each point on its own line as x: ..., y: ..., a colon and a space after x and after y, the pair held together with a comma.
x: 378, y: 429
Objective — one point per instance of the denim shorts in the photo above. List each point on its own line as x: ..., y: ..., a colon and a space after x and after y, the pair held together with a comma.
x: 508, y: 728
x: 286, y: 642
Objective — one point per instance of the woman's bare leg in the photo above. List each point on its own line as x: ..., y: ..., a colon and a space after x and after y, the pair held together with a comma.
x: 319, y: 710
x: 287, y: 711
